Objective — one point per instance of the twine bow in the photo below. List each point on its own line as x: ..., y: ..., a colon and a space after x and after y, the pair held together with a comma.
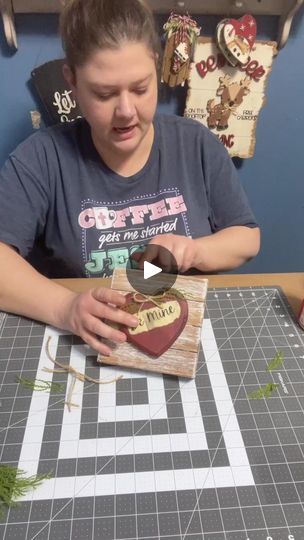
x: 142, y: 299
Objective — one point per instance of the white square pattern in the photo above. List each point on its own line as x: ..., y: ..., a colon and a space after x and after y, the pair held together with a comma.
x: 238, y: 472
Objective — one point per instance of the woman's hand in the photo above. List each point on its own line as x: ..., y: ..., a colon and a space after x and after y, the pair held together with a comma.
x: 180, y: 251
x: 86, y: 314
x: 222, y: 251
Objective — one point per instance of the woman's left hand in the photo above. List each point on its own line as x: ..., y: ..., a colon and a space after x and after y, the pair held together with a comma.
x: 181, y: 248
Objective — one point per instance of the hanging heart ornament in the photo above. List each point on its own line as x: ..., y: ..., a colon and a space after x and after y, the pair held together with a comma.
x: 236, y: 38
x: 221, y: 43
x: 161, y: 318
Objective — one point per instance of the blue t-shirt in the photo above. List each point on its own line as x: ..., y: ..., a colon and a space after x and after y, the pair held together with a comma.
x: 72, y: 216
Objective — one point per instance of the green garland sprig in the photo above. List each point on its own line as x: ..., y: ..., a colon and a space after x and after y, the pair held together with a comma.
x: 174, y: 27
x: 276, y: 362
x: 40, y: 385
x: 14, y: 485
x: 264, y: 391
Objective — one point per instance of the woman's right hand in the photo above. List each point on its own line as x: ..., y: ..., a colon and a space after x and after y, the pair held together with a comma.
x: 84, y: 315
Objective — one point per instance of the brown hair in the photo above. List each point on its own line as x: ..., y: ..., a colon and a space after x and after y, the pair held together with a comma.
x: 87, y: 25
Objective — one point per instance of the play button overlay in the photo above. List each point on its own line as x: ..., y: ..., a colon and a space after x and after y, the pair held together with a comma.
x: 150, y: 270
x: 157, y: 273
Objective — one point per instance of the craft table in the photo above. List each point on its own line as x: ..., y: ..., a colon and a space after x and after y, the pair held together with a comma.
x: 154, y: 457
x: 292, y: 284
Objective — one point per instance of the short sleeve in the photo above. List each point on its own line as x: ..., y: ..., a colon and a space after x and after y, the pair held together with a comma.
x: 228, y: 202
x: 23, y: 197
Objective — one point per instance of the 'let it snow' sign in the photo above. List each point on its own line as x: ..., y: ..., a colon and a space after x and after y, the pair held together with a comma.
x: 228, y: 99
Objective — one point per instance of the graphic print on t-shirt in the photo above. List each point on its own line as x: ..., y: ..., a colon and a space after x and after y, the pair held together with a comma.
x: 112, y: 231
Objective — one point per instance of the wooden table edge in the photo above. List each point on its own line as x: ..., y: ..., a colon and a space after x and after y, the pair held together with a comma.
x: 292, y: 284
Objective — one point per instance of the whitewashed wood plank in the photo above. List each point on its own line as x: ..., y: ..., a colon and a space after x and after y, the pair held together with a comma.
x: 195, y: 287
x: 173, y: 361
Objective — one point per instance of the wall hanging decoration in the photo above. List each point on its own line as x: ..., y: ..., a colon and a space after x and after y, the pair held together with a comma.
x: 236, y: 38
x: 226, y: 98
x: 181, y: 33
x: 54, y: 93
x: 284, y: 10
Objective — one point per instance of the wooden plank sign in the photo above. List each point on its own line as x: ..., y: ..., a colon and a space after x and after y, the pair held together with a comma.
x: 228, y: 99
x: 183, y: 307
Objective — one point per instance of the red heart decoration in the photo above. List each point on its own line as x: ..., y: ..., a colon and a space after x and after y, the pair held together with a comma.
x: 159, y: 325
x: 245, y: 27
x: 237, y: 37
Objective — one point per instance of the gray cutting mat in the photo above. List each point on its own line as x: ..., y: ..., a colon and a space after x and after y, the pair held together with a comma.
x: 156, y: 457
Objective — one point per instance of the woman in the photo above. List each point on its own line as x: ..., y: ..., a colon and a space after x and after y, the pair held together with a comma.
x: 79, y: 199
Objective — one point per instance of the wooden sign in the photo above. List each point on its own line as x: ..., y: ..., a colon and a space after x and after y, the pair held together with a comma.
x: 228, y: 99
x: 52, y: 88
x: 175, y: 350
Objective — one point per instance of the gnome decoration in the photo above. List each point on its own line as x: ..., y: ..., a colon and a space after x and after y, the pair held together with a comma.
x: 181, y: 32
x: 236, y: 38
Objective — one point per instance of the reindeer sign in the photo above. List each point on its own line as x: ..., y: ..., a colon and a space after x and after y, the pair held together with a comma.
x: 228, y: 99
x: 232, y: 95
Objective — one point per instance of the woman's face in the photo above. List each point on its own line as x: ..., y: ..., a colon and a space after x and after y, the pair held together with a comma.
x: 117, y: 94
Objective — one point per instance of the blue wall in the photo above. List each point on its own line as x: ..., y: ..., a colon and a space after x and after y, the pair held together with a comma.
x: 273, y: 178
